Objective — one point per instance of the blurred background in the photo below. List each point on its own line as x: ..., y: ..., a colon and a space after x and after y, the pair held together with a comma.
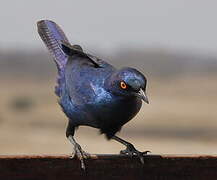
x: 174, y: 43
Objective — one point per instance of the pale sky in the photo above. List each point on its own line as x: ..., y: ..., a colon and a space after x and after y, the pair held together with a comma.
x: 178, y: 24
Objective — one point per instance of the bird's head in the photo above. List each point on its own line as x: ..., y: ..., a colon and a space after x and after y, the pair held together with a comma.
x: 128, y: 82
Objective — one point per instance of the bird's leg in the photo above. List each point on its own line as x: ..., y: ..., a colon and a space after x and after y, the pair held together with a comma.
x: 78, y: 152
x: 130, y: 149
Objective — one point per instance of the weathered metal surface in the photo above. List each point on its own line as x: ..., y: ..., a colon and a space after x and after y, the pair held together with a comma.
x: 108, y: 167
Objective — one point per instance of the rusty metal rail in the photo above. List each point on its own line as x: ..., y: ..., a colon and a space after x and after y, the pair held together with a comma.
x: 46, y: 167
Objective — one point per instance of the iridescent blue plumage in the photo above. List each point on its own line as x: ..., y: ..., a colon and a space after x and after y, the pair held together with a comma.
x: 92, y: 92
x: 52, y: 35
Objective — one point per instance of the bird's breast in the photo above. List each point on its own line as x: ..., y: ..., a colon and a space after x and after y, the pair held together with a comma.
x: 112, y: 111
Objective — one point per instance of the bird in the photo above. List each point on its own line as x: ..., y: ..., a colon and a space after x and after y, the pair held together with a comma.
x: 92, y: 92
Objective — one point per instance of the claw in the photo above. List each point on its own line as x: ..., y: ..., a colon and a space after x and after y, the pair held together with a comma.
x: 131, y: 150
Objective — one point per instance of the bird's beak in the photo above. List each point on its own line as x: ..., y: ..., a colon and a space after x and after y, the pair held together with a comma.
x: 142, y: 94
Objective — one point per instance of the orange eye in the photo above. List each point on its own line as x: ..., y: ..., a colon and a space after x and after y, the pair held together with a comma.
x: 123, y: 85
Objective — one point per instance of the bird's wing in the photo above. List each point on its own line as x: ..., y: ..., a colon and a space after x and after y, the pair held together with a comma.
x: 77, y: 84
x: 71, y: 50
x: 83, y: 79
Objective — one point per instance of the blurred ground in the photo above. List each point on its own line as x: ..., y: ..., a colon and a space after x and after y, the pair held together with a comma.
x: 181, y: 118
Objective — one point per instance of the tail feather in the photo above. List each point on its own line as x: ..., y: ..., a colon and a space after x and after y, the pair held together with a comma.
x: 52, y: 35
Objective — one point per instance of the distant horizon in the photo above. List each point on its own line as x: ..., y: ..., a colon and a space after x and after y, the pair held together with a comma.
x: 94, y: 49
x: 155, y: 62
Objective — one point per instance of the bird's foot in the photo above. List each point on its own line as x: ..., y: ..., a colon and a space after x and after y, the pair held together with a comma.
x: 80, y: 154
x: 131, y: 150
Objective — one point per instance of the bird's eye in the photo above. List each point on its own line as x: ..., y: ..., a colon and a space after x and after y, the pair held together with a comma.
x: 123, y: 85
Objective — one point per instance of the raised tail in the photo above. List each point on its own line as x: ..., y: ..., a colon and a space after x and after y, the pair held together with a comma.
x: 52, y: 35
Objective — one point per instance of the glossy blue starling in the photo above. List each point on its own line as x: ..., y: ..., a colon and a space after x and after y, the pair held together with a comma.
x: 92, y: 92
